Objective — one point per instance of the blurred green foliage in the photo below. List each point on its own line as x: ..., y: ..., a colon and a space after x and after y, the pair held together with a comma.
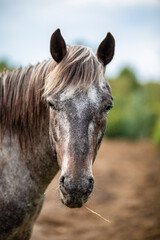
x: 136, y: 112
x: 156, y: 132
x: 4, y: 66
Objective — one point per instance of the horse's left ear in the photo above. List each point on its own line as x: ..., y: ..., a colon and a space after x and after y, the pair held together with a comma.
x: 105, y: 50
x: 58, y: 47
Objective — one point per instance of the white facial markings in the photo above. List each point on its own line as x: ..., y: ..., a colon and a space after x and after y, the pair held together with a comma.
x: 93, y: 95
x: 58, y: 131
x: 103, y: 85
x: 64, y: 123
x: 80, y: 106
x: 91, y: 131
x: 100, y: 135
x: 67, y: 94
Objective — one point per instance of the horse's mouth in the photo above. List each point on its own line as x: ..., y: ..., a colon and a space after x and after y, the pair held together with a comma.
x: 71, y: 204
x: 73, y: 200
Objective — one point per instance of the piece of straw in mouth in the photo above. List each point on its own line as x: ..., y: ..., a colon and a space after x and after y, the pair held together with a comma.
x: 90, y: 210
x: 106, y: 220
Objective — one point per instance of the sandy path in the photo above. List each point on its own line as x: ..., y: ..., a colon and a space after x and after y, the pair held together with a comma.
x: 127, y: 192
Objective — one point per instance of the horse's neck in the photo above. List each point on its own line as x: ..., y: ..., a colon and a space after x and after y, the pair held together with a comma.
x: 39, y: 159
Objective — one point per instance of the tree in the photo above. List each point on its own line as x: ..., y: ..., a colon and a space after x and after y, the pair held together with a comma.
x: 5, y: 66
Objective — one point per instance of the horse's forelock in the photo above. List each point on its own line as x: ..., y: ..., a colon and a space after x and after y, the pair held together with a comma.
x: 79, y: 68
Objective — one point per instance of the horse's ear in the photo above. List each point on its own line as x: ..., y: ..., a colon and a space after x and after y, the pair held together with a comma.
x: 105, y: 50
x: 58, y: 47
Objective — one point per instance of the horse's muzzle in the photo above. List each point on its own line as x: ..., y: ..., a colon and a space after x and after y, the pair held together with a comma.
x: 75, y: 192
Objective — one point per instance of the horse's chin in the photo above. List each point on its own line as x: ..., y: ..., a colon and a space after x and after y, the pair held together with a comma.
x: 72, y: 202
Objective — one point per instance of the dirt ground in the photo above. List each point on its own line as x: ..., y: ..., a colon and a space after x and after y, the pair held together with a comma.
x: 127, y: 192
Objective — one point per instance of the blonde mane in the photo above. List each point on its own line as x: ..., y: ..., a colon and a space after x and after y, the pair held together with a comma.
x: 22, y: 107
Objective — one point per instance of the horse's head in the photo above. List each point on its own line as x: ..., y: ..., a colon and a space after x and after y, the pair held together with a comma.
x: 79, y: 98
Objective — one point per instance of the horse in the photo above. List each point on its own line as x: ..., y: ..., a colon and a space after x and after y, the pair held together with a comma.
x: 52, y: 116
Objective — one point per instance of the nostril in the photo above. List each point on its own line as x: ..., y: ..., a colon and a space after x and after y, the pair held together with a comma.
x: 62, y: 184
x: 91, y: 184
x: 91, y: 180
x: 62, y: 180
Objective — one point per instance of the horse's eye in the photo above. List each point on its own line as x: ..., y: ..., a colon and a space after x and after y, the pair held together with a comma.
x: 51, y: 105
x: 107, y: 108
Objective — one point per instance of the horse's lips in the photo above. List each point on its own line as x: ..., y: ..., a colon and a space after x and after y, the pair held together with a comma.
x: 72, y: 202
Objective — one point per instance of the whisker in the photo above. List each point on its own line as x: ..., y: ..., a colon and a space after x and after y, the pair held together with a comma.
x: 51, y: 189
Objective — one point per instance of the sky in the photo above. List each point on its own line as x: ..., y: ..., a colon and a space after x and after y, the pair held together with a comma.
x: 26, y: 28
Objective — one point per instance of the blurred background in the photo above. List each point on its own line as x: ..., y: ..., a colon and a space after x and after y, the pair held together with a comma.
x: 127, y: 167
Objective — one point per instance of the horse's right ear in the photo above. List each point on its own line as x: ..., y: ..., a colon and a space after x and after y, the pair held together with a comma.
x: 105, y: 50
x: 58, y: 47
